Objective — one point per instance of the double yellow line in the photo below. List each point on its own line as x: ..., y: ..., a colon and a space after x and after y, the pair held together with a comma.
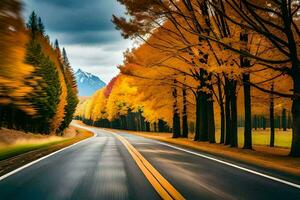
x: 159, y: 183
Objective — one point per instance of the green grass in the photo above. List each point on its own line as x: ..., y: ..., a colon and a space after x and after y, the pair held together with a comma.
x: 262, y: 137
x: 14, y: 150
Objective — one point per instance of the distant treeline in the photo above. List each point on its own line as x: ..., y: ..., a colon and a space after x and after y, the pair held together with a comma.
x: 281, y: 121
x: 133, y: 121
x: 38, y: 92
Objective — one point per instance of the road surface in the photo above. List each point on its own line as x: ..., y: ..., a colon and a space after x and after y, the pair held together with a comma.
x: 102, y: 167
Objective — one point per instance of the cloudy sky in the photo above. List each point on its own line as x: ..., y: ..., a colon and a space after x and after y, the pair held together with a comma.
x: 85, y: 29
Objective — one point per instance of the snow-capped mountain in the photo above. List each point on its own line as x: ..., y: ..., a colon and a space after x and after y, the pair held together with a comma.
x: 88, y: 83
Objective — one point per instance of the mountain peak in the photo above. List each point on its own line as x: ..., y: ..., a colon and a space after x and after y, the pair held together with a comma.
x: 88, y: 83
x: 78, y: 71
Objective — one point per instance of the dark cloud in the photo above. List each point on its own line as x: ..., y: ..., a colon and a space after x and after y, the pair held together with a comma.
x: 64, y: 3
x: 73, y: 17
x: 89, y: 37
x: 84, y: 27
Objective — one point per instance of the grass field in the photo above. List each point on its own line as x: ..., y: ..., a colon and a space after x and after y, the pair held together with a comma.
x: 262, y: 137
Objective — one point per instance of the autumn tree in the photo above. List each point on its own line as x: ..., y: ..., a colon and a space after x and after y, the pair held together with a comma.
x: 33, y: 91
x: 143, y: 23
x: 72, y: 99
x: 227, y: 26
x: 13, y: 71
x: 47, y: 89
x: 277, y: 23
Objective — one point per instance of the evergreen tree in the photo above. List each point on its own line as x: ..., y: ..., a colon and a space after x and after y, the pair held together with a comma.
x: 72, y: 99
x: 33, y: 24
x: 41, y: 27
x: 65, y: 57
x: 56, y: 44
x: 47, y: 90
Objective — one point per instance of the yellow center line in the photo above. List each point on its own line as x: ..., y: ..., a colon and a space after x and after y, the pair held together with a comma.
x: 159, y: 183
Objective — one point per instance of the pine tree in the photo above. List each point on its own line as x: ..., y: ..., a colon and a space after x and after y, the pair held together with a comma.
x: 33, y: 24
x: 56, y: 44
x: 72, y: 99
x: 41, y: 27
x: 65, y: 57
x: 47, y: 90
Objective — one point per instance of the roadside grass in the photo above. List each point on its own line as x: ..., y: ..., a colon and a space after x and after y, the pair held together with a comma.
x: 21, y: 144
x: 17, y: 149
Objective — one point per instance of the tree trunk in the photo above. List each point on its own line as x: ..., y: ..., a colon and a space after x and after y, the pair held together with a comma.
x: 211, y: 129
x: 289, y: 121
x: 204, y: 121
x: 1, y: 118
x: 264, y: 123
x: 247, y: 109
x: 227, y: 111
x: 198, y: 117
x: 255, y: 122
x: 272, y: 124
x: 222, y: 115
x: 245, y: 63
x: 147, y: 128
x: 211, y: 120
x: 295, y: 148
x: 176, y: 125
x: 283, y: 119
x: 161, y: 126
x: 176, y: 117
x: 222, y: 111
x: 185, y: 128
x: 143, y: 124
x: 233, y: 105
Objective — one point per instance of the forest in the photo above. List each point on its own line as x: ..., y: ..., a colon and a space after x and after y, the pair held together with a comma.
x: 199, y: 66
x: 38, y: 92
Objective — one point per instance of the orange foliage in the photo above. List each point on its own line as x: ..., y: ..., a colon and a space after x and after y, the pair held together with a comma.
x: 14, y: 73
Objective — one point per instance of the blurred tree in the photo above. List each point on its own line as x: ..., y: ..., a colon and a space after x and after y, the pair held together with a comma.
x: 72, y: 99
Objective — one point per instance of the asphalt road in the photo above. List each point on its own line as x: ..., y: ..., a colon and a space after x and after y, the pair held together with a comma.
x: 102, y: 168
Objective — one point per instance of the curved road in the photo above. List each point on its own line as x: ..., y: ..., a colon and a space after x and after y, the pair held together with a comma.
x: 102, y: 168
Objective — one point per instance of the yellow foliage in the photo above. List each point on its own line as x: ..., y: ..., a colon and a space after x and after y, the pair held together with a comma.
x: 14, y: 73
